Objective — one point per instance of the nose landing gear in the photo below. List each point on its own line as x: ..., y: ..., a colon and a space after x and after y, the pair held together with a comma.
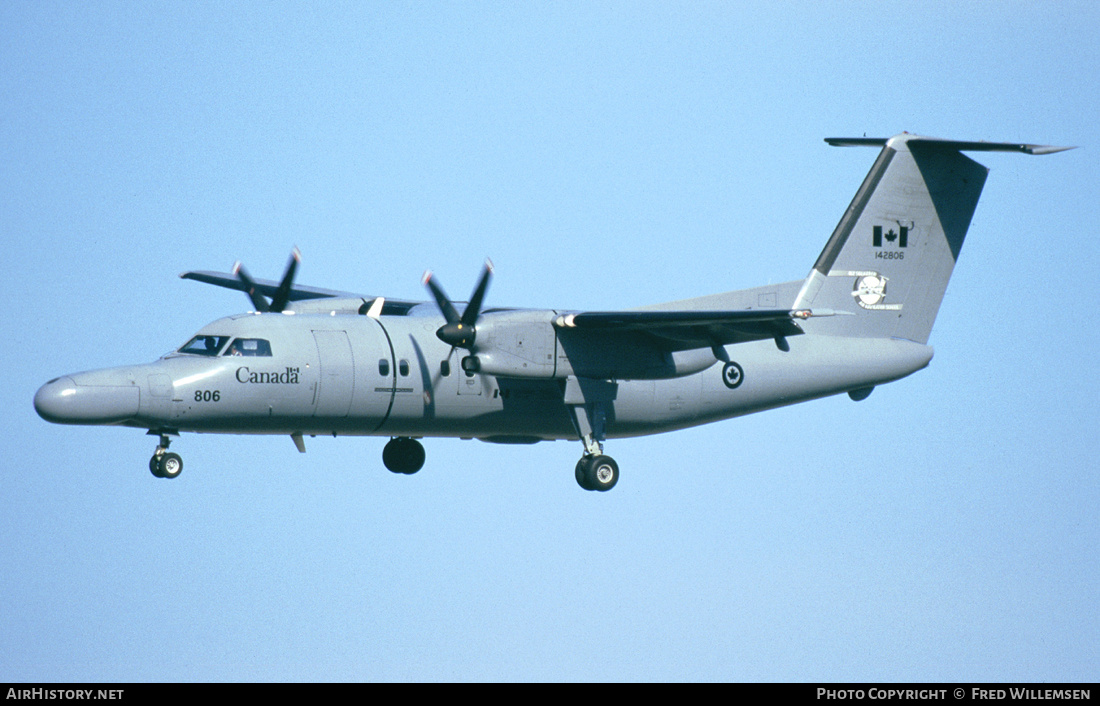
x: 164, y: 464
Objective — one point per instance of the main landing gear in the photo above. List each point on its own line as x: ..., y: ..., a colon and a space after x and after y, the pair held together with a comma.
x: 164, y: 464
x: 597, y: 472
x: 588, y: 404
x: 403, y: 455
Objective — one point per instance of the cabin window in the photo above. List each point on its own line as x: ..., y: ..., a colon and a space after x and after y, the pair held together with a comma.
x: 250, y: 347
x: 204, y: 345
x: 403, y: 368
x: 384, y: 367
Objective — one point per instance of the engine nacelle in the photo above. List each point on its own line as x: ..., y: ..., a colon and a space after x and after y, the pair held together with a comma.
x: 520, y: 344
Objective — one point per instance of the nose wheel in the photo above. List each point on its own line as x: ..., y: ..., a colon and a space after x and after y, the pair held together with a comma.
x: 164, y: 464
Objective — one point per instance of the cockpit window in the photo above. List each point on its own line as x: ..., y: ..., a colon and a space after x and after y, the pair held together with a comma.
x: 204, y: 345
x: 249, y: 347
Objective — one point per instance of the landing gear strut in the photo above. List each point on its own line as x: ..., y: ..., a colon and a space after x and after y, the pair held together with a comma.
x: 403, y: 455
x: 164, y: 464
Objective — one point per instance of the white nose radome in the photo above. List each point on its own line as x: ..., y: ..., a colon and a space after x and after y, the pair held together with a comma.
x: 66, y: 400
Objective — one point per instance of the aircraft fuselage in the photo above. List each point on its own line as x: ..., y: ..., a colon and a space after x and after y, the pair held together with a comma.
x: 358, y: 375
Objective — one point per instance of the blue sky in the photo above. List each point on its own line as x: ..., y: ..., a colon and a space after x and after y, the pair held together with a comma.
x: 605, y: 155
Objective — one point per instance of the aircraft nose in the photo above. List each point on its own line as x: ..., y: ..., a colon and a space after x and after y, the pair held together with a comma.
x: 65, y: 401
x: 51, y: 399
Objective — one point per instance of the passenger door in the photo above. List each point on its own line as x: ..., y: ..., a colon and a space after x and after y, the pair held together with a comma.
x: 336, y: 378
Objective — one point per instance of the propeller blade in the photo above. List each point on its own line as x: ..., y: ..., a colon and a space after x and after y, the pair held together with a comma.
x: 282, y: 294
x: 445, y: 306
x: 460, y: 331
x: 473, y: 309
x: 258, y: 300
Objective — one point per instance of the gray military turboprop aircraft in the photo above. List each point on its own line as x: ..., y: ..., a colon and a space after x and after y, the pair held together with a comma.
x: 311, y: 361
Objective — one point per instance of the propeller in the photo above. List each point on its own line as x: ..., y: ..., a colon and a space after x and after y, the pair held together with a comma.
x: 282, y: 294
x: 460, y: 331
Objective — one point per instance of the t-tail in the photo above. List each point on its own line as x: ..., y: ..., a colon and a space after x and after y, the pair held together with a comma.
x: 891, y: 255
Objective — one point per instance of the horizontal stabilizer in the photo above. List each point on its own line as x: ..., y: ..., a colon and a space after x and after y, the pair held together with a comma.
x: 856, y: 141
x: 959, y: 145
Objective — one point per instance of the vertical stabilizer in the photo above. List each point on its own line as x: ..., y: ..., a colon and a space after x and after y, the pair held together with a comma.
x: 890, y: 258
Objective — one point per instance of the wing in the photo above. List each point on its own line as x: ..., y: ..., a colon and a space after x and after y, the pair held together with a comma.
x: 297, y: 292
x: 686, y: 330
x: 266, y: 287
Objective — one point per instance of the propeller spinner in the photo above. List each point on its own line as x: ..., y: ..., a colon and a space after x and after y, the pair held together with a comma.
x: 460, y: 331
